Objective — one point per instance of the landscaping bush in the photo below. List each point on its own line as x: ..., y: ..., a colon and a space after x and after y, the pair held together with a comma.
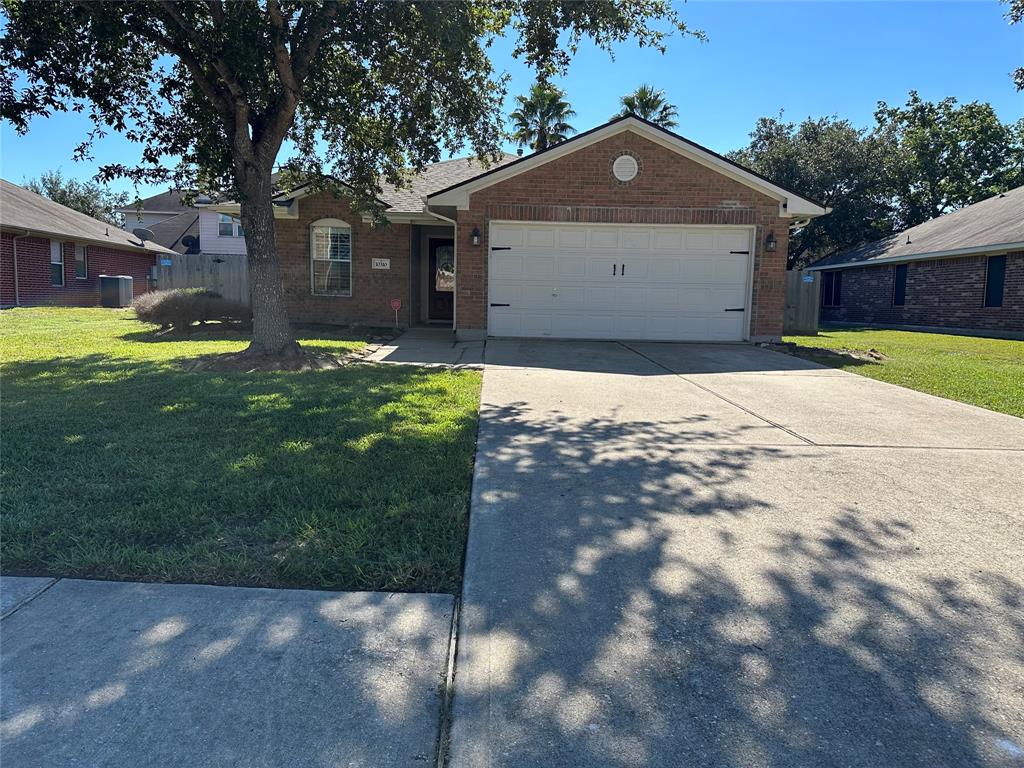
x: 180, y: 308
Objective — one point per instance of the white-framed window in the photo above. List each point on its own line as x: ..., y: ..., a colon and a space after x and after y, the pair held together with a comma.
x: 56, y: 264
x: 81, y: 263
x: 330, y: 258
x: 229, y: 226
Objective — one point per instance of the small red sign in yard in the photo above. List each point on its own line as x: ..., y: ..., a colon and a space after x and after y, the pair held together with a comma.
x: 396, y: 304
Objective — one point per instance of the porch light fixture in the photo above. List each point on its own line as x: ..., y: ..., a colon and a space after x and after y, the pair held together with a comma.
x: 769, y: 242
x: 476, y: 235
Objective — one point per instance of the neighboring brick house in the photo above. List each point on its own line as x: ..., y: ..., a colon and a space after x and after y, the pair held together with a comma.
x: 963, y: 271
x: 51, y: 254
x: 627, y: 231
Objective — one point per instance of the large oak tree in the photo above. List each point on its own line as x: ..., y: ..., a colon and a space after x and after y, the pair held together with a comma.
x: 366, y: 90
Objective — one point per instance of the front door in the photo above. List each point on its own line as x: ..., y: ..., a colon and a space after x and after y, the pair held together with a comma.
x: 441, y: 274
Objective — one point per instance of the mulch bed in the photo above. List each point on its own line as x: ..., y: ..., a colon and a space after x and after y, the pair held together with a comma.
x: 832, y: 357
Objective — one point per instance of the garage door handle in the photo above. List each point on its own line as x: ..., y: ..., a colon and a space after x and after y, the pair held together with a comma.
x: 501, y: 247
x: 733, y: 309
x: 500, y: 305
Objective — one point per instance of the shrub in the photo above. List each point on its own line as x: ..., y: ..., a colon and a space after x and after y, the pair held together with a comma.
x: 179, y: 308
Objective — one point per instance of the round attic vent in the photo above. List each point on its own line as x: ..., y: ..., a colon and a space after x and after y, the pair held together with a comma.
x: 625, y: 168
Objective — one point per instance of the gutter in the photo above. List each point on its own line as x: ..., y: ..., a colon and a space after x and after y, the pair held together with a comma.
x: 974, y: 250
x: 14, y: 253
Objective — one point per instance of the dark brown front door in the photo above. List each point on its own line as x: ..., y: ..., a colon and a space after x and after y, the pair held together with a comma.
x: 441, y: 274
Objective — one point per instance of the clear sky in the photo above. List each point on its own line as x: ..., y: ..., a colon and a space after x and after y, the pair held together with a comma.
x: 806, y: 58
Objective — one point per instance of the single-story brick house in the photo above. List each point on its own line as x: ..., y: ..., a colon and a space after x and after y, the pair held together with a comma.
x: 51, y: 254
x: 963, y: 271
x: 626, y: 231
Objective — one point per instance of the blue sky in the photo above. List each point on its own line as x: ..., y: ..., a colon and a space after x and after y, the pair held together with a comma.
x: 806, y: 58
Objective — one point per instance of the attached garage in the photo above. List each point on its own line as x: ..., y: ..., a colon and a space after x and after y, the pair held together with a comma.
x: 607, y: 281
x: 626, y: 231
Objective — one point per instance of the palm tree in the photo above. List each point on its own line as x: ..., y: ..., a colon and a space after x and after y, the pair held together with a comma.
x: 650, y: 104
x: 541, y: 119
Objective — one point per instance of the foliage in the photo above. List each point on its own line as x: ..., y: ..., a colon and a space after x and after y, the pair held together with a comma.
x: 917, y: 162
x: 181, y: 308
x: 1015, y: 16
x: 86, y: 197
x: 830, y: 161
x: 983, y: 372
x: 943, y: 156
x: 312, y: 479
x: 365, y: 90
x: 542, y: 118
x: 650, y: 104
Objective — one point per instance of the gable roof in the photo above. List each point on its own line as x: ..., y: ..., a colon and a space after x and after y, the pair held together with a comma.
x: 791, y: 203
x: 22, y: 209
x: 170, y: 231
x: 162, y: 202
x: 993, y: 225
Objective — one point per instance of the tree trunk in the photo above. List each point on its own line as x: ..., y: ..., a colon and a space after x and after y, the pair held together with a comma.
x: 271, y: 332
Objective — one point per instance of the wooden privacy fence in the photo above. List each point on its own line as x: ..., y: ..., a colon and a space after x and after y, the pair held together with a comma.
x: 803, y: 299
x: 227, y: 274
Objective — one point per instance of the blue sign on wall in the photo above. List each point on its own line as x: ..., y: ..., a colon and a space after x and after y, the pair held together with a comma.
x: 165, y: 262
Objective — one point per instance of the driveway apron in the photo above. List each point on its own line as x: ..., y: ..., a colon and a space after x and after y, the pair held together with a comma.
x: 701, y: 555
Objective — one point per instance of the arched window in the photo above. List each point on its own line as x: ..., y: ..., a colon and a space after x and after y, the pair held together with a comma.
x: 330, y: 257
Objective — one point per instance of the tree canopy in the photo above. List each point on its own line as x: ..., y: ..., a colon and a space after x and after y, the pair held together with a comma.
x: 542, y: 117
x: 650, y: 104
x: 366, y: 90
x: 87, y: 197
x: 1015, y: 16
x: 916, y: 162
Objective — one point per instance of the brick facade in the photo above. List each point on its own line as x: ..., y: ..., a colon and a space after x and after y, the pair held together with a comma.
x: 579, y: 187
x: 372, y: 289
x: 946, y: 293
x: 34, y: 285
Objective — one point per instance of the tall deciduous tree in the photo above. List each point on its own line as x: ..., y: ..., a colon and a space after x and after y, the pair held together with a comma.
x: 650, y: 103
x: 833, y: 162
x: 917, y: 162
x: 943, y: 155
x: 542, y: 117
x: 87, y: 197
x: 365, y: 89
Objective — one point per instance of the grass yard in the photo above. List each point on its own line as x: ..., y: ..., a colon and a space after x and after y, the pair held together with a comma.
x: 119, y: 464
x: 984, y: 372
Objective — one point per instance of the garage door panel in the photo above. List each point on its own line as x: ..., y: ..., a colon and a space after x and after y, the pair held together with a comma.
x: 565, y: 280
x: 506, y: 234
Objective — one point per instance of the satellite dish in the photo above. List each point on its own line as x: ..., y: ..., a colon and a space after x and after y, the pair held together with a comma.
x: 143, y: 234
x: 191, y: 243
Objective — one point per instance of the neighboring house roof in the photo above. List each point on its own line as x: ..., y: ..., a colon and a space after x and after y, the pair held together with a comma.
x: 993, y: 225
x: 792, y: 204
x: 164, y: 202
x: 25, y: 210
x: 170, y: 231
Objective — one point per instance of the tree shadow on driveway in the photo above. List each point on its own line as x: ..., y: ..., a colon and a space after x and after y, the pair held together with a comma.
x: 656, y: 593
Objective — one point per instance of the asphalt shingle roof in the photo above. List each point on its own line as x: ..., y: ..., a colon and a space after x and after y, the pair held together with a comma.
x: 164, y: 202
x: 994, y: 222
x: 22, y: 209
x: 171, y: 230
x: 434, y: 178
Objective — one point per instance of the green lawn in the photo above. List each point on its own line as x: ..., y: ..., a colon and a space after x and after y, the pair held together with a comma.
x: 985, y: 372
x: 118, y: 464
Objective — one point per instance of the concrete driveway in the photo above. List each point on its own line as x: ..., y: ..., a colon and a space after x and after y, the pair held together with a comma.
x: 686, y: 555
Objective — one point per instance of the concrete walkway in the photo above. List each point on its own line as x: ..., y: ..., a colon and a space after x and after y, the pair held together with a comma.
x: 114, y: 674
x: 686, y: 555
x: 429, y: 347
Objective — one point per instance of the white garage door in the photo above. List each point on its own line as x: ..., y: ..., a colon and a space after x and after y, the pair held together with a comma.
x: 605, y: 281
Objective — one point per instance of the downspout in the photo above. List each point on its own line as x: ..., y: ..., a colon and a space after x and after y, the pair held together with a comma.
x: 455, y: 241
x: 14, y: 254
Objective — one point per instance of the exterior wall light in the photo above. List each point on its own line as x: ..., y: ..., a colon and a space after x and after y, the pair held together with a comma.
x: 476, y: 235
x: 770, y: 242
